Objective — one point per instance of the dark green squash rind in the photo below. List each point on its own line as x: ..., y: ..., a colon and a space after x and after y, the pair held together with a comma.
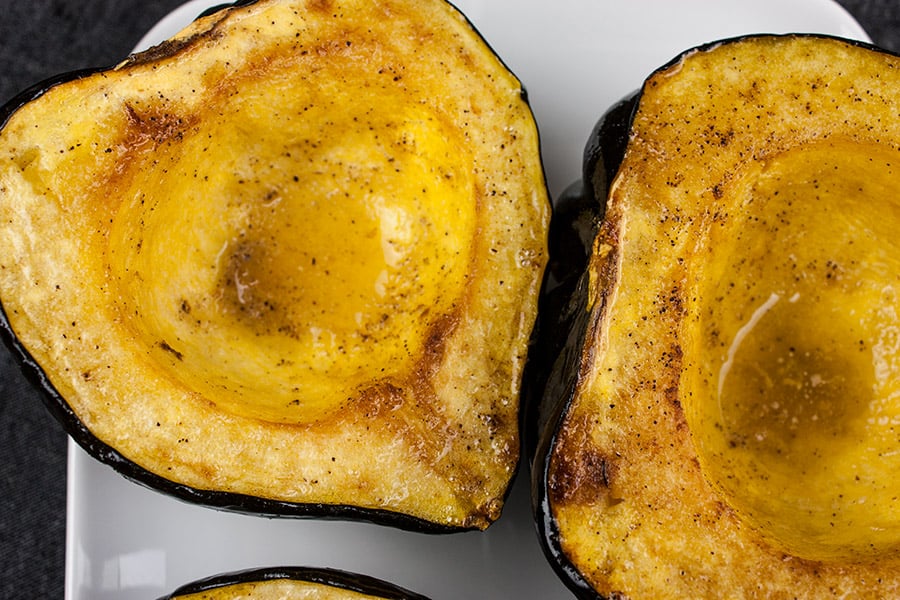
x: 602, y: 157
x: 564, y: 319
x: 574, y: 223
x: 562, y: 377
x: 336, y: 578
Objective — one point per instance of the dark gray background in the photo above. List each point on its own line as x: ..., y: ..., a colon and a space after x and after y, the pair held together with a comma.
x: 38, y: 39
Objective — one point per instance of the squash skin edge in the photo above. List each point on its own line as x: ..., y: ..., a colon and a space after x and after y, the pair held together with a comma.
x: 328, y: 576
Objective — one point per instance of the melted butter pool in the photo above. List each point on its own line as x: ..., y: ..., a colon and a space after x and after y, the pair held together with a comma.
x: 285, y: 259
x: 794, y: 394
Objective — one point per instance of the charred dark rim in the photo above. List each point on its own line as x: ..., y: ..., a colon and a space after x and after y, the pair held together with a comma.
x: 603, y: 155
x: 336, y: 578
x: 104, y: 453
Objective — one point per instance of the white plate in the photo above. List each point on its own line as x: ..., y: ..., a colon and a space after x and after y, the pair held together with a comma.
x: 575, y: 58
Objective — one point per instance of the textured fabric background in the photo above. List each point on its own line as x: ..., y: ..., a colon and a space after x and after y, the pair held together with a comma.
x: 40, y: 38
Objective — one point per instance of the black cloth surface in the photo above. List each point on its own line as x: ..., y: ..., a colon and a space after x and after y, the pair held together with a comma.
x: 40, y: 38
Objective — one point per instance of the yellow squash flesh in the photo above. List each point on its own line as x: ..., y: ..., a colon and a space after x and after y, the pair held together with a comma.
x: 292, y: 253
x: 735, y: 431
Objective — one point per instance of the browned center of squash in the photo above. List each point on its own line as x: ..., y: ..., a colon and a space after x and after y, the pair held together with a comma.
x: 796, y: 403
x: 295, y: 247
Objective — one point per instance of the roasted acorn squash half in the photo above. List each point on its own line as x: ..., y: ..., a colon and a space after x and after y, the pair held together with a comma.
x: 286, y: 583
x: 286, y: 262
x: 725, y: 417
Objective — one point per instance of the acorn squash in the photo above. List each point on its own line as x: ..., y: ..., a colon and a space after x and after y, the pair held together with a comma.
x: 285, y: 583
x: 723, y: 419
x: 286, y: 262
